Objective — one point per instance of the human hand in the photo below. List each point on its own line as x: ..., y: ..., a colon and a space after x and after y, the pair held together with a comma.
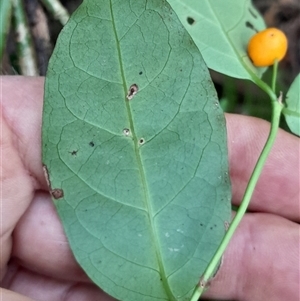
x: 261, y: 262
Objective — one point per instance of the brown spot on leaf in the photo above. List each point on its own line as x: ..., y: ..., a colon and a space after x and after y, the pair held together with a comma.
x: 132, y: 91
x: 46, y: 174
x: 57, y: 193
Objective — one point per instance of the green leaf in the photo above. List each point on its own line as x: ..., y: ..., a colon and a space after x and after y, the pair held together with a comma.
x: 292, y: 110
x: 134, y: 144
x: 221, y: 30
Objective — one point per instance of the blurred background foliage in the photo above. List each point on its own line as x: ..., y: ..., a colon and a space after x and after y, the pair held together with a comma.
x: 29, y: 29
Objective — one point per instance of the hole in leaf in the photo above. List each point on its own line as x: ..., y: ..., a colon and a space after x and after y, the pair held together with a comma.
x: 132, y: 91
x: 92, y: 144
x: 190, y: 20
x: 126, y: 132
x: 141, y: 141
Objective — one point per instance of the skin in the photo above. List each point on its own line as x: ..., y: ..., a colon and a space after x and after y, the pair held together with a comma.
x: 261, y: 262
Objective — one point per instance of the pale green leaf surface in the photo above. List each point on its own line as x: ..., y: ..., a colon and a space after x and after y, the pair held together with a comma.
x: 143, y: 217
x: 221, y: 30
x: 292, y: 109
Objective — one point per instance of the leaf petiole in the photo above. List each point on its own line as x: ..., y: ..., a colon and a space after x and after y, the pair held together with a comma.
x: 274, y: 76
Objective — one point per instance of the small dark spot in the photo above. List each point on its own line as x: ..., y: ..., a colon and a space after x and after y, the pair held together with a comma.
x: 132, y: 91
x: 57, y: 193
x: 211, y: 228
x: 74, y: 152
x: 141, y: 72
x: 180, y: 70
x: 201, y: 225
x: 215, y: 225
x: 92, y: 144
x: 252, y: 13
x: 190, y: 20
x: 251, y: 26
x: 141, y: 141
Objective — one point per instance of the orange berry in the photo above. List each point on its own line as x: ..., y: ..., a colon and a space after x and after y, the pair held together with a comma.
x: 267, y: 46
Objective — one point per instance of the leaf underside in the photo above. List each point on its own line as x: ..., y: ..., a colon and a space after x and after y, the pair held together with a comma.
x: 221, y: 30
x: 134, y: 143
x: 292, y: 110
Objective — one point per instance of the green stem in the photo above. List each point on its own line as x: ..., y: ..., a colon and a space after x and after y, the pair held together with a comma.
x: 274, y: 76
x: 277, y: 108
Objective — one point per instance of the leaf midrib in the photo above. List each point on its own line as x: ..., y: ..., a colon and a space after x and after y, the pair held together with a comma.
x: 141, y: 168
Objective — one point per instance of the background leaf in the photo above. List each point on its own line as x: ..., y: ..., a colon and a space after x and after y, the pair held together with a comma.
x: 5, y: 15
x: 221, y: 30
x: 292, y: 110
x: 141, y: 185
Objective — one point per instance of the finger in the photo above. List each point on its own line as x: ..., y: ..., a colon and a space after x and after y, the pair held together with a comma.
x: 16, y: 191
x: 22, y: 101
x: 261, y: 262
x: 40, y: 244
x: 39, y: 287
x: 8, y: 295
x: 277, y: 190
